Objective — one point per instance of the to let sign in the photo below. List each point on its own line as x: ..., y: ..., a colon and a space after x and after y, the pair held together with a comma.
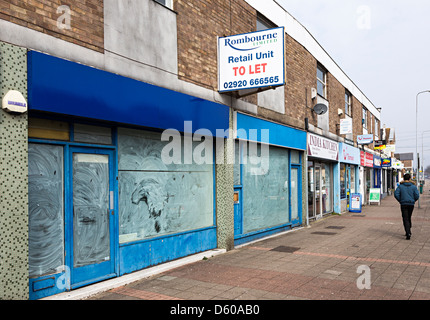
x: 251, y: 60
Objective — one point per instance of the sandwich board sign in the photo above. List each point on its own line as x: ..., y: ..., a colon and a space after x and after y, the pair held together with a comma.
x: 375, y: 195
x: 355, y: 202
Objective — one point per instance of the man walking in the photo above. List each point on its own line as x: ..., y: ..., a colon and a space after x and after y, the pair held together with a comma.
x: 407, y: 194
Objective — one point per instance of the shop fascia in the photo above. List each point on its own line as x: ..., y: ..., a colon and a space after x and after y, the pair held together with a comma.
x: 321, y: 147
x: 182, y: 150
x: 349, y: 154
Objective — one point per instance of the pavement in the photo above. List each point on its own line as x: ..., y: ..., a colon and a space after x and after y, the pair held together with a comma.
x: 353, y: 256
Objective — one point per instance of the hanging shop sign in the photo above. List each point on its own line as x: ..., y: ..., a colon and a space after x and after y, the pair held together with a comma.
x: 251, y: 60
x: 365, y: 139
x: 379, y: 145
x: 366, y: 159
x: 349, y: 154
x: 377, y: 162
x: 346, y: 126
x: 321, y: 147
x: 386, y: 162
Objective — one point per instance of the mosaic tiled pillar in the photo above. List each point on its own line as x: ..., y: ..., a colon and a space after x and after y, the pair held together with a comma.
x: 224, y: 193
x: 13, y: 179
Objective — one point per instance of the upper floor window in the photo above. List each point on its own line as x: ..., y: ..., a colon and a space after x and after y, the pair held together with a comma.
x: 166, y: 3
x: 348, y: 103
x: 364, y: 118
x: 263, y: 23
x: 321, y: 81
x: 376, y: 128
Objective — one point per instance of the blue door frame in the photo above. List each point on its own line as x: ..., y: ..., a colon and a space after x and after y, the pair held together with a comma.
x: 91, y: 272
x: 238, y: 212
x: 297, y: 221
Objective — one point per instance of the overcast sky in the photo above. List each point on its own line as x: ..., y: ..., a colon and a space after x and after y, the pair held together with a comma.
x: 384, y: 47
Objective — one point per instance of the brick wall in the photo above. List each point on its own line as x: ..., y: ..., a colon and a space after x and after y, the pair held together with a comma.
x: 87, y: 25
x: 199, y: 23
x: 336, y: 98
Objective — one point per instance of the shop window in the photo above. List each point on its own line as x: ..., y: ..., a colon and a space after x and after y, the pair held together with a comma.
x: 266, y: 192
x: 295, y: 157
x: 236, y: 169
x: 326, y: 188
x: 158, y: 198
x: 352, y: 185
x: 46, y: 209
x: 48, y: 129
x: 342, y: 181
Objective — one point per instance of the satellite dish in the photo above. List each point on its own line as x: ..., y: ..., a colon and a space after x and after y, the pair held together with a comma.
x: 320, y: 109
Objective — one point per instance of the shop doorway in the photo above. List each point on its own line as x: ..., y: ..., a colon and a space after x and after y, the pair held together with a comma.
x: 319, y: 189
x: 91, y: 216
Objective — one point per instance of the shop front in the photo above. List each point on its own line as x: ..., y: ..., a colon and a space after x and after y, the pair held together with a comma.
x: 109, y: 193
x: 322, y: 161
x: 267, y: 178
x: 366, y: 175
x: 349, y: 161
x: 377, y: 172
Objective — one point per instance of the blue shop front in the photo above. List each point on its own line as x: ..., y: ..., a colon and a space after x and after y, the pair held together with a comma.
x: 102, y: 200
x: 268, y: 178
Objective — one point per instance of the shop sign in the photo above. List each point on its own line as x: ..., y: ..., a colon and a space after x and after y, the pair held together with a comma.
x: 376, y: 161
x: 321, y: 147
x: 379, y: 145
x: 375, y: 195
x: 365, y: 139
x: 366, y: 159
x: 349, y: 154
x: 346, y: 126
x: 386, y: 162
x: 390, y: 148
x: 355, y: 202
x: 251, y: 60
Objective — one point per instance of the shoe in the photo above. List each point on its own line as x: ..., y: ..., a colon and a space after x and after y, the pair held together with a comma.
x: 408, y: 237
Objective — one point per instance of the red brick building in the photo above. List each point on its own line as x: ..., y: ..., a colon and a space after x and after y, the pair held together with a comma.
x: 103, y: 81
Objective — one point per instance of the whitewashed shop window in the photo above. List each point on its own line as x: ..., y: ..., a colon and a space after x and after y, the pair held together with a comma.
x: 46, y: 209
x: 156, y: 198
x: 265, y: 196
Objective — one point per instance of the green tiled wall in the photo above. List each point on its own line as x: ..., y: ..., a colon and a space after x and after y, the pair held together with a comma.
x: 13, y: 179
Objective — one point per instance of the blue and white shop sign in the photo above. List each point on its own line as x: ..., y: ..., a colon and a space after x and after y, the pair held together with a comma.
x: 251, y: 60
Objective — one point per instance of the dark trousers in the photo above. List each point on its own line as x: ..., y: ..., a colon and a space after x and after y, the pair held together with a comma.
x: 407, y: 215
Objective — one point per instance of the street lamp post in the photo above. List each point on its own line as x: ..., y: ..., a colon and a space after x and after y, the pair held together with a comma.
x: 422, y: 149
x: 416, y: 137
